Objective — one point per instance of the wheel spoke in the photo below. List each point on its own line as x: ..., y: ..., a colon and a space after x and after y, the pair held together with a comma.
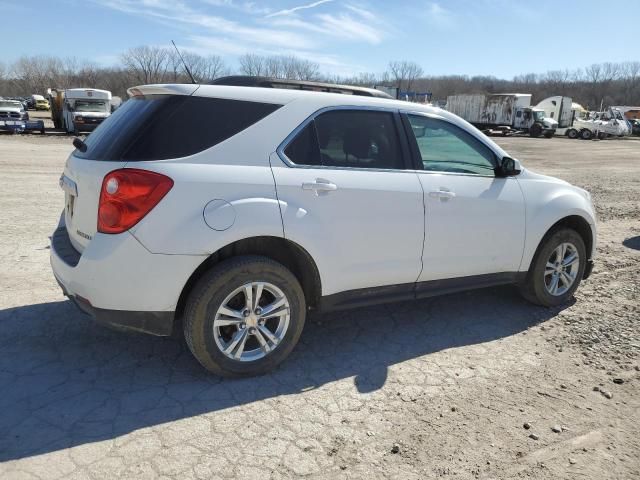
x: 275, y: 309
x: 263, y: 343
x: 553, y: 288
x: 563, y: 251
x: 248, y: 296
x: 238, y: 337
x: 258, y: 295
x: 230, y: 312
x: 241, y: 345
x: 566, y: 279
x: 570, y: 260
x: 267, y: 333
x: 224, y: 322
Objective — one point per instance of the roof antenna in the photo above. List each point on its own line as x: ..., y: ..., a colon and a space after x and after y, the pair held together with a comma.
x: 184, y: 63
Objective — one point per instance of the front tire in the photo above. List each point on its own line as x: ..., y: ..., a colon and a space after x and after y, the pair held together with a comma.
x: 244, y: 316
x: 535, y: 131
x: 572, y: 133
x: 557, y: 268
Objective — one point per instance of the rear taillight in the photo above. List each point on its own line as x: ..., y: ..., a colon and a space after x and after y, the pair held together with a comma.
x: 127, y: 195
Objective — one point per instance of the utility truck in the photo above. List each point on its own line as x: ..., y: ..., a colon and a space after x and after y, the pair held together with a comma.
x: 505, y: 113
x: 79, y: 109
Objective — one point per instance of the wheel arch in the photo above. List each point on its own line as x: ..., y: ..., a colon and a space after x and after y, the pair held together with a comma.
x: 282, y: 250
x: 575, y: 222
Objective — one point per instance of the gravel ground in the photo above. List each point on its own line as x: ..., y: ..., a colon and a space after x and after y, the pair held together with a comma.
x: 444, y: 387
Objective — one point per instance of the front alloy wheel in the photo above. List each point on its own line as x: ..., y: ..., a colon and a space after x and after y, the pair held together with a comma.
x: 561, y: 269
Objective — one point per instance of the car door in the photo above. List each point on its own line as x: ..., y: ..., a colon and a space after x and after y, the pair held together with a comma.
x: 348, y: 198
x: 475, y: 221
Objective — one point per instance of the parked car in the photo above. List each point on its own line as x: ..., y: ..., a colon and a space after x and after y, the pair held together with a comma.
x: 13, y: 116
x: 635, y: 127
x: 229, y: 212
x: 42, y: 104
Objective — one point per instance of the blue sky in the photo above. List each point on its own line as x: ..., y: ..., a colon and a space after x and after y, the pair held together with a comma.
x: 487, y: 37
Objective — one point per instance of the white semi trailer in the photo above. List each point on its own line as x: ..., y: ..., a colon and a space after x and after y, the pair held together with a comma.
x: 505, y: 112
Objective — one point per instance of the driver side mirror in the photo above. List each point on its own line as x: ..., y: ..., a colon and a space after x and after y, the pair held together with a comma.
x: 509, y: 167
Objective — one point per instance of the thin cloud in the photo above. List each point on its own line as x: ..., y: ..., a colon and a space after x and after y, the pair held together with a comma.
x: 440, y: 16
x: 289, y: 11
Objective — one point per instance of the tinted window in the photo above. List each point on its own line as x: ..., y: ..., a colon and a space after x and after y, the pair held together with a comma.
x: 158, y: 127
x: 303, y: 150
x: 445, y: 147
x: 348, y: 138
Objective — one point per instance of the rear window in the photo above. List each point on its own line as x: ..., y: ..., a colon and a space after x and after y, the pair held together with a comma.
x: 158, y: 127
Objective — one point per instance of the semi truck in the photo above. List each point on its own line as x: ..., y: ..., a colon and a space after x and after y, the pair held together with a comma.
x: 576, y: 122
x: 78, y: 110
x: 565, y: 112
x: 506, y: 113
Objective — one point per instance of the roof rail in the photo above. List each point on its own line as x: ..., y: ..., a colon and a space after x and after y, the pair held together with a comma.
x: 270, y: 82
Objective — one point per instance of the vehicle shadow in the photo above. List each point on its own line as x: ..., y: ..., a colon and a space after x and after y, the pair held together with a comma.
x: 632, y: 242
x: 65, y: 381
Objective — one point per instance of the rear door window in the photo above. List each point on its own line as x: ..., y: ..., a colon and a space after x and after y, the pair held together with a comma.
x: 158, y: 127
x: 348, y: 138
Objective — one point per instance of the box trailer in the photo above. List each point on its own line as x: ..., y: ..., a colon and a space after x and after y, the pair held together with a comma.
x: 505, y: 112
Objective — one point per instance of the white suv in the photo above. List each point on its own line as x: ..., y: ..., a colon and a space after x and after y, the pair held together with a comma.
x: 231, y: 211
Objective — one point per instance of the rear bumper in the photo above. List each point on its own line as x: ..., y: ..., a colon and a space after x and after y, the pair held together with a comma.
x: 154, y: 323
x: 120, y: 283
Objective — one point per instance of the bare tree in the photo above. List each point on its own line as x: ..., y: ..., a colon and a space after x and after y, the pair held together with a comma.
x: 213, y: 66
x: 252, y: 64
x: 147, y: 64
x: 404, y: 73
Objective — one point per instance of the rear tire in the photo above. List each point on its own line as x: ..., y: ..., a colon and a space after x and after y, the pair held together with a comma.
x: 219, y: 312
x: 586, y: 134
x: 572, y: 133
x: 548, y: 266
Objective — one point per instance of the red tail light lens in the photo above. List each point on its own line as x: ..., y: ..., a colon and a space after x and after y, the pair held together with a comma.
x: 127, y: 195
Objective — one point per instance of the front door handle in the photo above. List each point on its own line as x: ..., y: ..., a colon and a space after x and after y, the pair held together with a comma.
x: 442, y: 194
x: 320, y: 185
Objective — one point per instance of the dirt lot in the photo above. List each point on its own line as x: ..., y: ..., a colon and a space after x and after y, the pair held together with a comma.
x: 436, y: 388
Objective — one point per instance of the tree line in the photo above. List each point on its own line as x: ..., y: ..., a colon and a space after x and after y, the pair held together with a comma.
x: 603, y: 83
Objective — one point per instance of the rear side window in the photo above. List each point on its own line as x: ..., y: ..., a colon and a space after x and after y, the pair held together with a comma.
x: 158, y: 127
x: 348, y: 138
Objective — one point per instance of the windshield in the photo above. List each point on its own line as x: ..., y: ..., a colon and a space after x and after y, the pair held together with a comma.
x: 91, y: 106
x: 538, y: 116
x: 9, y: 104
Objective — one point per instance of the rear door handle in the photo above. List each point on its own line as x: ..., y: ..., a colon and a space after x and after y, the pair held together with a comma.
x: 320, y: 185
x: 442, y: 194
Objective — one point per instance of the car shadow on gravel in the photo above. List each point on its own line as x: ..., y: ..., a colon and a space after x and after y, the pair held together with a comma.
x: 632, y: 242
x: 65, y: 381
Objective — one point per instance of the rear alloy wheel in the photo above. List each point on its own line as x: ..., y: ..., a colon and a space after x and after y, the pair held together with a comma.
x: 252, y: 321
x: 557, y: 269
x: 244, y: 316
